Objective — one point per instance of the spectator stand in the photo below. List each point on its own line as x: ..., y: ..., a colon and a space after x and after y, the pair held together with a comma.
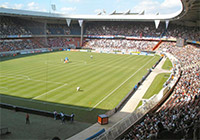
x: 182, y: 108
x: 126, y: 123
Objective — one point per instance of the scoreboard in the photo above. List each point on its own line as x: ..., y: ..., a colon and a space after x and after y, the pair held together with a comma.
x: 180, y: 42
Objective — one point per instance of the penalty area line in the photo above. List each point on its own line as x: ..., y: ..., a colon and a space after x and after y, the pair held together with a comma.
x: 120, y: 85
x: 49, y: 92
x: 3, y: 87
x: 29, y: 79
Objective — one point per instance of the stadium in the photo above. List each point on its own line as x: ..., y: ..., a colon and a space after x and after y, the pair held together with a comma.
x: 117, y: 76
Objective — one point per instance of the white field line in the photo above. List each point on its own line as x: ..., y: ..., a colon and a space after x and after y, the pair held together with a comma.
x: 19, y: 75
x: 44, y: 102
x: 48, y: 81
x: 119, y: 86
x: 4, y: 87
x: 15, y: 77
x: 49, y: 91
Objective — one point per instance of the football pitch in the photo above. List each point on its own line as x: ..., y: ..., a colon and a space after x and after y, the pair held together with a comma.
x: 45, y: 82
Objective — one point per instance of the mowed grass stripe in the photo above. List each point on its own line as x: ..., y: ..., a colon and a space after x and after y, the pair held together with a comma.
x: 25, y: 88
x: 30, y: 64
x: 13, y: 78
x: 50, y: 91
x: 76, y: 74
x: 117, y: 96
x: 107, y: 84
x: 66, y: 72
x: 86, y: 75
x: 103, y: 70
x: 19, y: 68
x: 51, y: 70
x: 97, y: 77
x: 25, y: 85
x: 16, y: 83
x: 10, y: 81
x: 37, y: 74
x: 23, y: 74
x: 44, y: 73
x: 123, y: 83
x: 30, y: 89
x: 97, y: 82
x: 53, y: 95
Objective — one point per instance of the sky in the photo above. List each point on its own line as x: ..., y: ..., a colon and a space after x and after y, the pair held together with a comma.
x: 93, y: 7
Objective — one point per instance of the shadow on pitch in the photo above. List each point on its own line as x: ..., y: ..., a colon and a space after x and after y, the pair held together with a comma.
x: 85, y: 113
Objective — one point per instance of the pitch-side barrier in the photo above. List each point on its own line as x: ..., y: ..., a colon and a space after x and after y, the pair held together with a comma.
x: 154, y: 103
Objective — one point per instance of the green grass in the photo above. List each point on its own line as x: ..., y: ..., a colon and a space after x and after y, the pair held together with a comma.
x: 167, y: 65
x: 139, y: 104
x: 44, y: 82
x: 156, y: 85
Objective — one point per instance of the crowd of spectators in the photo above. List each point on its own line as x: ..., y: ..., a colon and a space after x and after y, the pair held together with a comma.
x: 146, y: 29
x: 58, y: 29
x: 8, y: 27
x: 187, y: 55
x: 63, y: 42
x: 52, y: 42
x: 18, y: 26
x: 182, y: 109
x: 40, y: 28
x: 142, y: 29
x: 185, y: 32
x: 36, y: 43
x: 17, y: 44
x: 120, y: 45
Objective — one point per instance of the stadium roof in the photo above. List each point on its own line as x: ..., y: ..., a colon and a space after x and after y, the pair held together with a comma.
x: 190, y: 11
x: 112, y: 17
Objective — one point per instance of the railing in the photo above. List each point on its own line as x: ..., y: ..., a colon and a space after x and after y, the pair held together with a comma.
x: 133, y: 90
x: 29, y: 51
x: 120, y: 127
x: 32, y: 111
x: 35, y: 36
x: 4, y: 131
